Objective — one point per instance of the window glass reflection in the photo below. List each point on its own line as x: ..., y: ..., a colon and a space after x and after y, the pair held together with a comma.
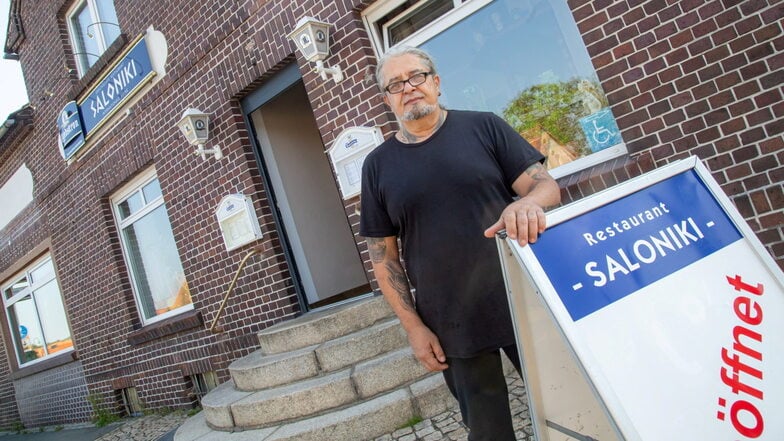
x: 54, y: 324
x: 110, y: 26
x: 152, y: 191
x: 27, y: 334
x: 155, y: 264
x: 42, y: 273
x: 131, y: 205
x: 36, y: 314
x: 525, y: 61
x: 17, y: 287
x: 418, y: 20
x: 88, y: 47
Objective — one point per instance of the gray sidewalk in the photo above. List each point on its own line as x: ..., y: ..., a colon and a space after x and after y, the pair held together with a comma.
x: 146, y: 428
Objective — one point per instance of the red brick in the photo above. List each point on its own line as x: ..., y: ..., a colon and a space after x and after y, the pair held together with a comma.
x: 741, y: 107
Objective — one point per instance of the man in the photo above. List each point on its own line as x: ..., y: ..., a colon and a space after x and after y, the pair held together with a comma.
x: 445, y: 184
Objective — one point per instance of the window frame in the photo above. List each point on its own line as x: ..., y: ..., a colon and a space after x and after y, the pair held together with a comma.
x: 80, y: 56
x: 133, y: 187
x: 30, y: 290
x: 462, y: 9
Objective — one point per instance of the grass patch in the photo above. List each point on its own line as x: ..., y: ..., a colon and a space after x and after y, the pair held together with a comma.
x: 101, y: 415
x: 412, y: 422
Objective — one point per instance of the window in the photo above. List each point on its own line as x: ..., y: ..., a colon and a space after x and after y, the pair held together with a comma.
x: 150, y: 251
x: 521, y: 59
x: 93, y: 27
x: 36, y: 315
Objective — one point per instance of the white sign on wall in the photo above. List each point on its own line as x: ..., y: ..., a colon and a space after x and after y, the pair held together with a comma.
x: 650, y: 311
x: 237, y: 220
x: 348, y: 153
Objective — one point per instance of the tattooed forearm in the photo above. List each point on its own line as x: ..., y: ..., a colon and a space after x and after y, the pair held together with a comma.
x: 538, y: 173
x: 397, y: 280
x: 377, y: 248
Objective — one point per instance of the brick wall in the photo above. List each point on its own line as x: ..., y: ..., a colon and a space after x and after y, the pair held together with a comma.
x: 9, y: 411
x: 683, y: 77
x: 64, y: 385
x: 216, y: 56
x: 703, y: 78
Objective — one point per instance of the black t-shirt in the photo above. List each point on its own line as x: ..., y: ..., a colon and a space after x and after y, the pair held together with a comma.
x: 439, y: 196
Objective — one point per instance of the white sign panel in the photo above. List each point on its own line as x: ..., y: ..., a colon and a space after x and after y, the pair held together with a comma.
x: 348, y: 153
x: 671, y: 307
x: 237, y: 220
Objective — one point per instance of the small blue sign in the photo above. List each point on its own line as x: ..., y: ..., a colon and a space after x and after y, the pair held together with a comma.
x: 130, y: 73
x: 22, y: 332
x: 69, y: 126
x: 610, y: 252
x: 600, y: 130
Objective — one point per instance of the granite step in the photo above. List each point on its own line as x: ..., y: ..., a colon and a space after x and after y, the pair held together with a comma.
x: 362, y: 421
x: 258, y: 371
x: 322, y: 326
x: 228, y: 408
x: 385, y: 336
x: 293, y: 401
x: 338, y: 374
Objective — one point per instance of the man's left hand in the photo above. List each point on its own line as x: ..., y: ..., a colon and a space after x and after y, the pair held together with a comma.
x: 523, y: 219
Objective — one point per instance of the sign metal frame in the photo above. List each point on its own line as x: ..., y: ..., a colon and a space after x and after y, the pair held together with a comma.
x: 549, y: 339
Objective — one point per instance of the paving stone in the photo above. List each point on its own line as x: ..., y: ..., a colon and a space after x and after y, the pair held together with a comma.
x: 146, y: 428
x: 425, y: 431
x: 431, y: 437
x: 402, y: 432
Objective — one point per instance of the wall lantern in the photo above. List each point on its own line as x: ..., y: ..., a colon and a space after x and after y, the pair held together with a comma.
x: 312, y: 39
x: 195, y: 125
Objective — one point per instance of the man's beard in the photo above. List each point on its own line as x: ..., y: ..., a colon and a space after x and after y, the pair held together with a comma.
x: 418, y: 111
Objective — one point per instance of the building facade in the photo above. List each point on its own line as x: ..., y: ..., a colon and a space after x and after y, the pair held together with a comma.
x: 119, y: 243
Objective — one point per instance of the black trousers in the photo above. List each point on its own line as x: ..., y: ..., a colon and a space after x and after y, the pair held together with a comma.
x: 479, y: 385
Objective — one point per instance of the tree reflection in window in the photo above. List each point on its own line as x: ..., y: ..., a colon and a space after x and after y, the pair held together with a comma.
x: 523, y: 60
x: 36, y: 314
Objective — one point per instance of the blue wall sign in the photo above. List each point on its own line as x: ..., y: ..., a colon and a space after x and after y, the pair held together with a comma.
x: 22, y: 331
x: 78, y: 121
x: 131, y: 72
x: 71, y: 131
x: 628, y: 244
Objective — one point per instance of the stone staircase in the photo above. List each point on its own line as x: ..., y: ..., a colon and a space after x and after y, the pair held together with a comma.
x: 344, y: 374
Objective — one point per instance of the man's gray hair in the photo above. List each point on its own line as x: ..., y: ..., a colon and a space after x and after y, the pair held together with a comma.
x: 398, y: 51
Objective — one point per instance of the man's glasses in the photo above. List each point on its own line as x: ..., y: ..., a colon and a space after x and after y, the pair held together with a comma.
x: 414, y: 80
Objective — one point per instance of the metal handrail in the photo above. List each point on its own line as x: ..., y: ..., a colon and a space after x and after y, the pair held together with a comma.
x: 231, y: 287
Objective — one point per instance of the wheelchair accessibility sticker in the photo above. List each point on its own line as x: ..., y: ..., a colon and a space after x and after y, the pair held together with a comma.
x: 600, y: 130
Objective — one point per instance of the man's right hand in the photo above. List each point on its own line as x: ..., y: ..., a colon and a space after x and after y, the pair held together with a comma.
x: 427, y: 348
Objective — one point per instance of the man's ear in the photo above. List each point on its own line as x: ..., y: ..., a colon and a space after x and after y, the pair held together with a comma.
x: 386, y: 99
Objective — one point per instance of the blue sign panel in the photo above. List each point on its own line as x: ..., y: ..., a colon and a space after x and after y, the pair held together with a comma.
x: 69, y: 126
x: 600, y: 130
x: 606, y: 254
x: 121, y: 82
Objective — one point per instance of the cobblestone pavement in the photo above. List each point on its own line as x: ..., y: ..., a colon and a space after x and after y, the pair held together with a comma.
x: 146, y: 428
x: 446, y: 426
x: 449, y: 425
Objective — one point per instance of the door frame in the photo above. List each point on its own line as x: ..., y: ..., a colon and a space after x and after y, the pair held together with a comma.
x: 277, y: 84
